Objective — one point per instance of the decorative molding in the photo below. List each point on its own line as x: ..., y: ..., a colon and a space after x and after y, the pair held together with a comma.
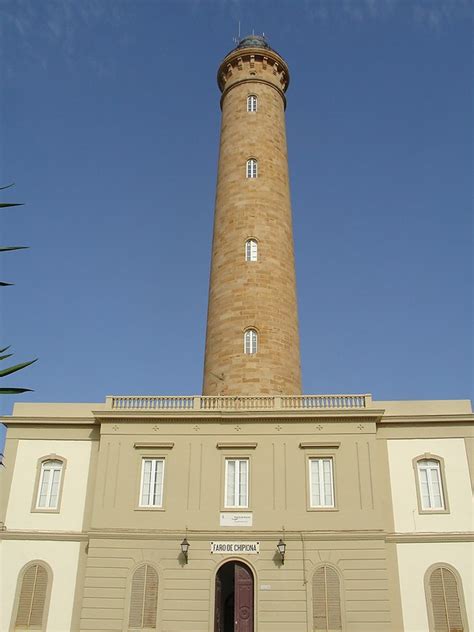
x: 67, y: 536
x: 454, y: 536
x: 164, y: 445
x: 424, y: 419
x: 236, y: 444
x: 319, y: 444
x: 309, y: 536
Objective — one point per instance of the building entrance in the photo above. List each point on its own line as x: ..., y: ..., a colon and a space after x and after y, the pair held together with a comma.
x: 234, y: 598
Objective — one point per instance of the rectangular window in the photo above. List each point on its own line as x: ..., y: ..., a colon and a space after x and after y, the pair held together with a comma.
x: 430, y: 484
x: 321, y: 483
x: 151, y: 489
x: 236, y: 483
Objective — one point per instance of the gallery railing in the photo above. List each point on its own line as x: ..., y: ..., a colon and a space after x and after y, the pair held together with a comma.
x: 240, y: 403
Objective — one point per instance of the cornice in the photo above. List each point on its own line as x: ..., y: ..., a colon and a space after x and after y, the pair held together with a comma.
x: 49, y: 421
x: 370, y: 415
x: 451, y: 536
x: 247, y: 52
x: 426, y: 419
x: 240, y: 534
x: 63, y: 536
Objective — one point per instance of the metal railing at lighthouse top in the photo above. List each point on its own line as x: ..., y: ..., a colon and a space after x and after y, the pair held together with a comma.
x: 280, y: 403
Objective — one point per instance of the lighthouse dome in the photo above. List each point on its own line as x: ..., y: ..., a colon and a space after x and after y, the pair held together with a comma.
x: 253, y: 41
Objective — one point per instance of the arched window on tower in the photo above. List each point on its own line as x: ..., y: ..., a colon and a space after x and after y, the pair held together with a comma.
x: 251, y: 103
x: 251, y: 168
x: 326, y: 600
x: 251, y: 250
x: 250, y: 341
x: 143, y: 599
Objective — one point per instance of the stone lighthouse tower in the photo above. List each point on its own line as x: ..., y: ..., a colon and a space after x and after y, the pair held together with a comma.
x: 252, y: 341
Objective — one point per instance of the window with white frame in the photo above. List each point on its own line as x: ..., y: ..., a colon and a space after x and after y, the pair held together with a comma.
x: 251, y: 168
x: 236, y: 483
x: 151, y: 488
x: 49, y: 484
x: 251, y: 103
x: 321, y: 482
x: 250, y: 341
x: 429, y: 479
x: 251, y: 250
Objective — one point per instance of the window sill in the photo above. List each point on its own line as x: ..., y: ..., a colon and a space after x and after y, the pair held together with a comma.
x: 149, y: 509
x: 429, y: 512
x: 45, y: 511
x: 322, y: 509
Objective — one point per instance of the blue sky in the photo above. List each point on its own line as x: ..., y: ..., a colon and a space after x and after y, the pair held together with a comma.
x: 110, y: 127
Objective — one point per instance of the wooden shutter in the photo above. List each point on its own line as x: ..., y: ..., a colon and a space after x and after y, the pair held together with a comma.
x: 143, y: 599
x: 326, y: 600
x: 31, y: 601
x: 445, y: 602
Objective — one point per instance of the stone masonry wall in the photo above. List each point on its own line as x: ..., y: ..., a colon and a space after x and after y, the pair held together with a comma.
x: 261, y: 294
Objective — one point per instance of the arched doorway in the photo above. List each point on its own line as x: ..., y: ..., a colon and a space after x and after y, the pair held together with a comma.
x: 234, y: 598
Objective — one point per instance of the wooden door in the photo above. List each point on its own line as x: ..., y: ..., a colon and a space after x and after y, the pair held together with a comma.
x: 218, y: 623
x: 243, y: 608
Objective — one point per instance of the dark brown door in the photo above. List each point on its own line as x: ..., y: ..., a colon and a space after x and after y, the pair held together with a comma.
x: 243, y: 608
x: 218, y: 627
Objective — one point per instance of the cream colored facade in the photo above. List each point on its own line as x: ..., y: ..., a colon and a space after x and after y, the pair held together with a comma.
x: 375, y: 537
x: 372, y: 499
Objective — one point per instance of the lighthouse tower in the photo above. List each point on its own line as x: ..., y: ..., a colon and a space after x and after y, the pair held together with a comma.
x: 252, y: 341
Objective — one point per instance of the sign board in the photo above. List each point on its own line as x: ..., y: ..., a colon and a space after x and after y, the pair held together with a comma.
x: 248, y: 548
x: 241, y: 519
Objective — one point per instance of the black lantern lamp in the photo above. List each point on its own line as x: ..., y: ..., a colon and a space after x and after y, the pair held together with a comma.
x: 281, y: 546
x: 185, y: 549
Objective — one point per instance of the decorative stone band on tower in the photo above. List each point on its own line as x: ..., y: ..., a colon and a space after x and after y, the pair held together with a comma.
x: 252, y: 341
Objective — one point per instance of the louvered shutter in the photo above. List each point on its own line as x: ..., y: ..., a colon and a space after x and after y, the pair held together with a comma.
x: 143, y: 599
x: 445, y: 602
x: 326, y: 600
x: 32, y: 598
x: 150, y: 601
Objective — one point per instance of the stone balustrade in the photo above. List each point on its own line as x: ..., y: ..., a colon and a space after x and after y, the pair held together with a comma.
x: 214, y: 403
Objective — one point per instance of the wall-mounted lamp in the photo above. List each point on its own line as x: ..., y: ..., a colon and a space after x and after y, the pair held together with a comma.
x: 281, y: 546
x: 185, y: 549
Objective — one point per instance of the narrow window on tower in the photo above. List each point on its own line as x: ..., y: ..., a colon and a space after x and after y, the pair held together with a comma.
x: 251, y: 250
x: 252, y: 168
x: 250, y: 341
x: 251, y: 103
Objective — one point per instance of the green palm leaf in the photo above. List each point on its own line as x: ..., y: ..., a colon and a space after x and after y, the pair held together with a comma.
x: 16, y: 367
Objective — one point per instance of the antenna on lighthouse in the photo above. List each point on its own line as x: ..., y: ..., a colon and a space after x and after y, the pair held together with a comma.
x: 236, y: 40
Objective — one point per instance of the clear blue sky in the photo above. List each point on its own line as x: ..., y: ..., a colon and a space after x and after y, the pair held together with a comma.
x: 110, y: 127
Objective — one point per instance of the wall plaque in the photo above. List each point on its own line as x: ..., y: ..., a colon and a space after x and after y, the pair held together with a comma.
x: 240, y: 519
x: 248, y: 548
